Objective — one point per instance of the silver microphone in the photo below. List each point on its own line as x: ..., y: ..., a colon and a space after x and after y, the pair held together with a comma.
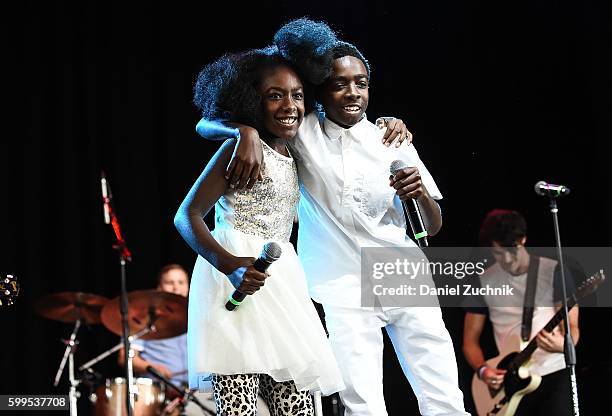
x: 551, y: 190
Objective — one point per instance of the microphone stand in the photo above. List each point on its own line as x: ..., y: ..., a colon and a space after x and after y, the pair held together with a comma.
x: 185, y: 393
x: 569, y: 349
x: 124, y: 256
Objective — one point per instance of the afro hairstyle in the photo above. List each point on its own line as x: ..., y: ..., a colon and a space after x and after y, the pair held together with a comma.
x: 227, y: 88
x: 312, y: 46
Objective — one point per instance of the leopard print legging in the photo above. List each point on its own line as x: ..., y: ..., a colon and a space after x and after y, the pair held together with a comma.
x: 236, y: 395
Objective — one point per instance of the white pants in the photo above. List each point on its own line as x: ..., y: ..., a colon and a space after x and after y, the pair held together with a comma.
x: 422, y: 344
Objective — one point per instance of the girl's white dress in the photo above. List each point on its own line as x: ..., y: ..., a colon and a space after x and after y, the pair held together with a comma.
x: 276, y: 331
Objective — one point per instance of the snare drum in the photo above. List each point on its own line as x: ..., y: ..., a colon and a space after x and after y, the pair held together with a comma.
x: 110, y: 397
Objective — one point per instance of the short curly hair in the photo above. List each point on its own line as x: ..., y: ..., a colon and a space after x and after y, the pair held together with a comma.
x: 227, y: 88
x: 502, y: 226
x: 312, y: 46
x: 341, y: 49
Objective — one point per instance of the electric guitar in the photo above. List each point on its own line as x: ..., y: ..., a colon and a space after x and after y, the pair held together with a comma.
x: 518, y: 382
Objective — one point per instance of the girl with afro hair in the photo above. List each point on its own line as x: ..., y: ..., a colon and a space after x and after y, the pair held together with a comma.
x: 349, y: 203
x: 273, y: 343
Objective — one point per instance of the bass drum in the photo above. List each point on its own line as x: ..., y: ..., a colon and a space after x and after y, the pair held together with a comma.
x: 110, y: 398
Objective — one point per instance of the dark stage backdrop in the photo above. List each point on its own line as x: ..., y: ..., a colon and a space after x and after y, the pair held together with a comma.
x: 498, y: 96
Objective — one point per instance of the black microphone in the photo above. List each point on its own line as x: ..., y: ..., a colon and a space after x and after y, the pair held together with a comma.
x: 105, y: 199
x: 270, y: 253
x: 412, y: 210
x: 548, y: 189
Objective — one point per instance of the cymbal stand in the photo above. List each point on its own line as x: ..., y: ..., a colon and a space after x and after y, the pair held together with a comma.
x: 97, y: 359
x: 71, y: 345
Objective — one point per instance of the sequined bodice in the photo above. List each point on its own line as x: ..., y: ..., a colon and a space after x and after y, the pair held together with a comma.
x: 268, y: 209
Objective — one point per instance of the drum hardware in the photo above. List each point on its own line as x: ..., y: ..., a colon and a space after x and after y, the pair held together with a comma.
x: 71, y: 345
x: 152, y: 315
x: 140, y: 334
x: 184, y: 394
x: 69, y: 307
x: 109, y: 398
x: 166, y: 310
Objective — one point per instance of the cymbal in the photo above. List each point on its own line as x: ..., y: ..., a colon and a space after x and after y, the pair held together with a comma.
x: 70, y: 306
x: 168, y: 311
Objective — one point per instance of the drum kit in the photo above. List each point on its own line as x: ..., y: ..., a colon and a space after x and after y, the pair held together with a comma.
x: 152, y: 315
x: 144, y: 314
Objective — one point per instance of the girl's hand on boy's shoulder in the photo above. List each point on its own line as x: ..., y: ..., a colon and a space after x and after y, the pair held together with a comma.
x: 246, y: 165
x: 396, y: 131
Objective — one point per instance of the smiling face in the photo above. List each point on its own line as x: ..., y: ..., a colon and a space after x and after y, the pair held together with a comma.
x: 345, y: 94
x: 174, y: 281
x: 282, y: 99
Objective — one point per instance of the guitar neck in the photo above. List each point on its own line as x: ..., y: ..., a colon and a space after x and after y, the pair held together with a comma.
x: 525, y: 354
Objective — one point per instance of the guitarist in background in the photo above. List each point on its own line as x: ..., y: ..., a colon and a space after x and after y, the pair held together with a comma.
x: 505, y: 232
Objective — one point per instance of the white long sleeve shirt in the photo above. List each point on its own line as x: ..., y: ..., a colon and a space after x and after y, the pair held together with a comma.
x: 347, y: 203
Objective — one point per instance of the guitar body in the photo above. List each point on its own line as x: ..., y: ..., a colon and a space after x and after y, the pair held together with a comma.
x: 503, y: 402
x: 517, y: 381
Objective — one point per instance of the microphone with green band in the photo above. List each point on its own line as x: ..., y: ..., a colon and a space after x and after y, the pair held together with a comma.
x: 412, y: 210
x: 270, y: 253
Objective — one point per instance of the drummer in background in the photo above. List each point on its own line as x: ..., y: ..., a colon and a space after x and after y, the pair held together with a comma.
x: 169, y: 356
